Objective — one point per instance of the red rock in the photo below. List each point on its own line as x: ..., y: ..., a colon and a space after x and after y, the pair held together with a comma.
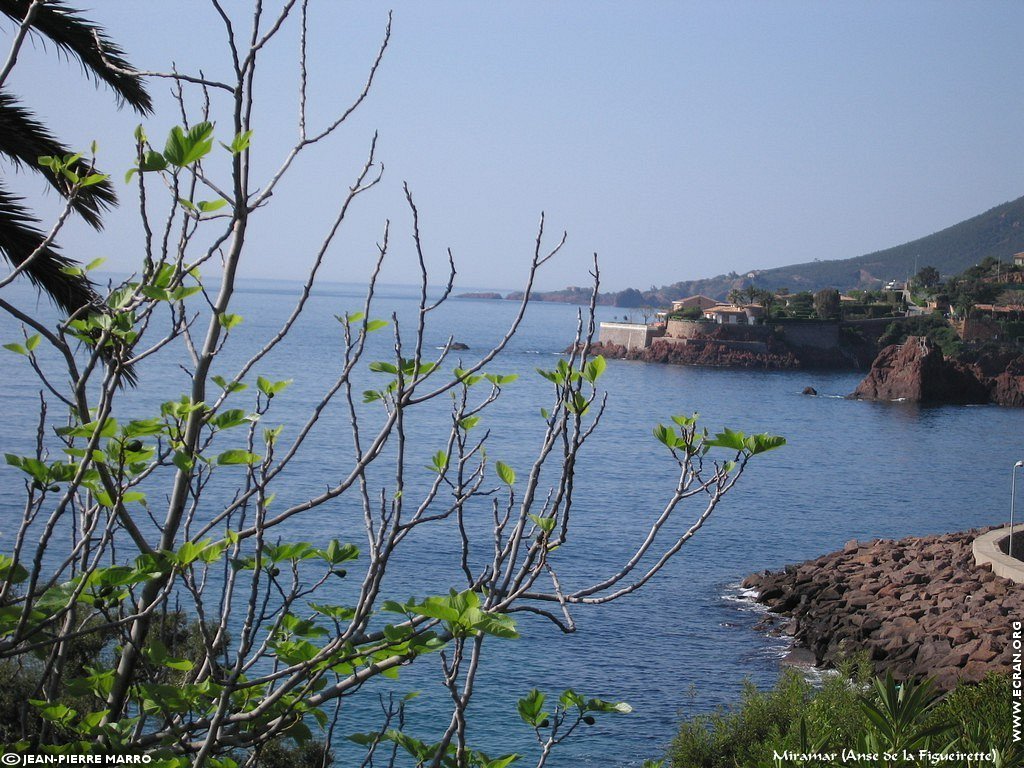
x: 917, y: 371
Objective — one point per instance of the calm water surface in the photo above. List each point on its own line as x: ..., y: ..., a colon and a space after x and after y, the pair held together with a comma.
x: 683, y: 645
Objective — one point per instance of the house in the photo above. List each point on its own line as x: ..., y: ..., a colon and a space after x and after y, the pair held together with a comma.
x: 699, y: 301
x: 1018, y: 259
x: 731, y: 314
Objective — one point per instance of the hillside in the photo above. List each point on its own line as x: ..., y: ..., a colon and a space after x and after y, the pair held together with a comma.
x: 998, y: 232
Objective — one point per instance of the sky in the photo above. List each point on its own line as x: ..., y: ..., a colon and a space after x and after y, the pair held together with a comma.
x: 676, y: 140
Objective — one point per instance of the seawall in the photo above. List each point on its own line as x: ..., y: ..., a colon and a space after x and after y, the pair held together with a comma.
x: 917, y: 607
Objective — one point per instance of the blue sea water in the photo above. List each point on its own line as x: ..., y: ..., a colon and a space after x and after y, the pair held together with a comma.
x: 685, y: 643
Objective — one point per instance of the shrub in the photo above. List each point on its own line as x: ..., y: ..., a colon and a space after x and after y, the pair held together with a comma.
x: 844, y: 714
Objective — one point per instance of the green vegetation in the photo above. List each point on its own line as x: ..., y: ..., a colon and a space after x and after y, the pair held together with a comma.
x: 868, y: 716
x: 934, y: 327
x: 154, y: 601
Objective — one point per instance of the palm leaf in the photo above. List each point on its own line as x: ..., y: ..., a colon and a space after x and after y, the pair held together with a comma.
x: 77, y: 36
x: 24, y: 140
x: 19, y: 238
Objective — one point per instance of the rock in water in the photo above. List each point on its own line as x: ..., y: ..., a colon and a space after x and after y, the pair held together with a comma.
x: 458, y: 345
x: 917, y: 371
x: 810, y: 391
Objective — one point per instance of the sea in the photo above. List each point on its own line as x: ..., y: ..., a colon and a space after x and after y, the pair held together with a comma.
x: 684, y: 644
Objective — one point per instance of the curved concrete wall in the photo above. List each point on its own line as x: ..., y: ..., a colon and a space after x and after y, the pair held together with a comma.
x: 987, y: 549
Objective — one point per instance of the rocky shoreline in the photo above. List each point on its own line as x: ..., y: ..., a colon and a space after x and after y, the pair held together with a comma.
x: 918, y: 372
x: 918, y: 607
x: 770, y: 356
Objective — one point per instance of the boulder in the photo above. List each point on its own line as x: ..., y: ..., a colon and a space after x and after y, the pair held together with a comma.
x: 916, y: 371
x: 917, y: 607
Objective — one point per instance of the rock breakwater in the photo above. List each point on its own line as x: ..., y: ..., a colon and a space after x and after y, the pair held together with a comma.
x: 918, y: 607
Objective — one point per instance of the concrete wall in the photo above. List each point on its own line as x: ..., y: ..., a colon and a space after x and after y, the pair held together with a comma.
x: 628, y: 335
x: 991, y: 548
x: 692, y: 329
x: 871, y: 328
x: 637, y: 336
x: 817, y: 335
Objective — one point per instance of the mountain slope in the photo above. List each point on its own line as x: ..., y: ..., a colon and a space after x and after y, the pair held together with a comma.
x: 999, y: 232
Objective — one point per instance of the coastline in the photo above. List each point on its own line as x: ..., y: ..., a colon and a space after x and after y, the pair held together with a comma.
x: 918, y: 606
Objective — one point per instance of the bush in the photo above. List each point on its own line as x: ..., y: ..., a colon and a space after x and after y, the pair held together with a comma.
x: 766, y: 721
x: 845, y: 714
x: 933, y: 327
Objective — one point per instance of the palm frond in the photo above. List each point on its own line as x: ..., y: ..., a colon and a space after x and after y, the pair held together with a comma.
x: 24, y: 140
x: 20, y: 237
x: 77, y: 36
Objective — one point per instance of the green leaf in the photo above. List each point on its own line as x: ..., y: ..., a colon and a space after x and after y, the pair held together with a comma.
x: 271, y: 388
x: 463, y: 376
x: 766, y: 442
x: 183, y: 461
x: 94, y: 178
x: 221, y: 382
x: 16, y: 348
x: 209, y: 206
x: 230, y: 418
x: 337, y: 552
x: 498, y: 380
x: 439, y: 462
x: 152, y: 161
x: 578, y: 404
x: 728, y: 439
x: 546, y: 524
x: 506, y: 473
x: 184, y: 291
x: 531, y: 708
x: 469, y: 422
x: 154, y: 293
x: 240, y: 143
x: 375, y: 325
x: 665, y: 435
x: 685, y: 421
x: 229, y: 321
x: 594, y: 368
x: 381, y: 367
x: 55, y: 713
x: 237, y: 456
x: 183, y: 148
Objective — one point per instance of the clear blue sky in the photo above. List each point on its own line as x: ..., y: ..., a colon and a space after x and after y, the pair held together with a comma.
x: 678, y: 140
